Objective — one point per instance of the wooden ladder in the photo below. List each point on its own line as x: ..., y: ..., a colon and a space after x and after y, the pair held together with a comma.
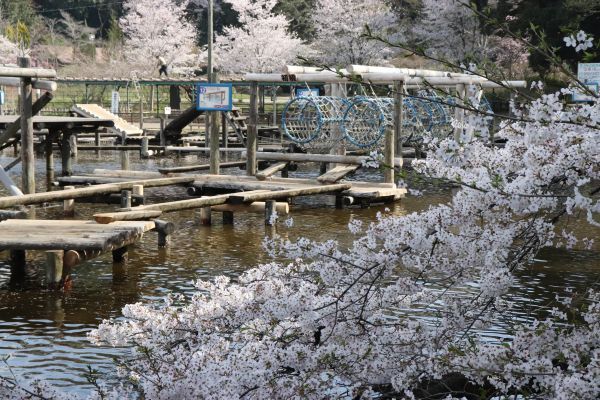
x: 238, y: 122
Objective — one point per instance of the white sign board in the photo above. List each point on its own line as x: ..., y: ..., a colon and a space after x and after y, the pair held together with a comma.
x: 305, y: 92
x: 1, y: 97
x: 114, y: 102
x: 589, y: 74
x: 213, y: 97
x: 167, y: 110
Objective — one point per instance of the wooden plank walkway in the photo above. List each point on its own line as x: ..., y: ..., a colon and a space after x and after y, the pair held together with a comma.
x: 24, y: 234
x: 120, y: 125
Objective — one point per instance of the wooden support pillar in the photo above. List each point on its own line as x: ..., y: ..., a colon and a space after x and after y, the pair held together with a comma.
x: 18, y: 261
x: 97, y: 141
x: 141, y: 109
x: 215, y: 155
x: 459, y: 113
x: 73, y: 139
x: 398, y: 115
x: 144, y: 153
x: 120, y: 255
x: 203, y: 216
x: 151, y: 99
x: 54, y: 267
x: 227, y: 217
x: 124, y: 154
x: 270, y: 212
x: 138, y: 191
x: 164, y: 230
x: 69, y: 204
x: 251, y: 140
x: 125, y: 199
x: 224, y: 130
x: 67, y: 165
x: 27, y: 156
x: 162, y: 137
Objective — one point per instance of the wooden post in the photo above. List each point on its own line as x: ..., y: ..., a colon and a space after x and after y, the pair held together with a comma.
x: 119, y: 255
x: 227, y: 217
x: 49, y: 157
x: 18, y: 260
x: 69, y: 204
x: 67, y: 165
x: 138, y: 191
x: 162, y: 137
x: 459, y: 113
x: 54, y: 267
x: 124, y: 154
x: 164, y: 230
x: 141, y: 109
x: 252, y: 138
x: 215, y: 155
x: 274, y: 105
x: 27, y: 156
x: 204, y: 216
x: 398, y: 115
x: 224, y: 130
x: 73, y: 139
x: 388, y: 152
x: 270, y: 212
x: 151, y: 99
x: 97, y: 140
x: 144, y: 148
x: 125, y: 199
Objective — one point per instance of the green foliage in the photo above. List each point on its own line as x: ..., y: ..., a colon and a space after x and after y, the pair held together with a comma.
x: 14, y: 11
x: 19, y: 33
x: 299, y: 12
x: 556, y: 19
x: 114, y: 36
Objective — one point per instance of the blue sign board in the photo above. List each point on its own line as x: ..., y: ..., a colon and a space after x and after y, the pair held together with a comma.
x: 1, y: 97
x: 214, y: 97
x: 306, y: 92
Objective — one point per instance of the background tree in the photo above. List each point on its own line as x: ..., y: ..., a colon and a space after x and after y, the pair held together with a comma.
x: 155, y: 28
x: 262, y: 42
x: 339, y: 27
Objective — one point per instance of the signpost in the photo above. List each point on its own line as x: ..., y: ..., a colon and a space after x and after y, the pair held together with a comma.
x: 214, y: 97
x: 306, y: 92
x: 114, y: 102
x: 589, y: 74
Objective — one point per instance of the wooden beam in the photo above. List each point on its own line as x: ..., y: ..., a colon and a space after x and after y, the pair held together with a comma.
x: 272, y: 170
x: 27, y: 72
x: 107, y: 218
x: 89, y: 191
x: 337, y: 173
x: 201, y: 167
x: 37, y: 84
x: 257, y: 207
x: 249, y: 197
x: 328, y: 158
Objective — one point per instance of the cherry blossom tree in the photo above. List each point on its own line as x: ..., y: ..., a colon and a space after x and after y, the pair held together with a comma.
x: 451, y: 31
x: 9, y: 51
x: 340, y: 24
x: 157, y: 28
x: 262, y: 42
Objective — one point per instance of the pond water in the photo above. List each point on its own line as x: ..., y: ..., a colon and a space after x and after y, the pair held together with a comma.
x: 44, y: 332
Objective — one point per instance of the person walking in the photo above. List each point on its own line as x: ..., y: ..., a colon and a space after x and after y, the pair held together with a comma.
x: 162, y: 66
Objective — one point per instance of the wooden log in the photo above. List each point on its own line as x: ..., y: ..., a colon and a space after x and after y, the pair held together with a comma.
x: 201, y: 167
x: 127, y: 174
x: 36, y: 83
x: 26, y: 72
x: 257, y: 207
x: 248, y: 197
x: 54, y: 267
x: 252, y: 131
x: 326, y: 158
x: 27, y: 155
x: 272, y: 170
x: 89, y: 191
x: 11, y: 214
x: 12, y: 164
x: 125, y: 164
x: 18, y: 259
x: 207, y: 178
x: 174, y: 127
x: 337, y: 173
x: 73, y: 258
x: 138, y: 191
x: 69, y: 204
x: 107, y: 218
x: 112, y: 198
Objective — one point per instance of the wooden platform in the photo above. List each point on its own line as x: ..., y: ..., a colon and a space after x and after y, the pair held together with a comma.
x: 24, y: 234
x: 120, y: 125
